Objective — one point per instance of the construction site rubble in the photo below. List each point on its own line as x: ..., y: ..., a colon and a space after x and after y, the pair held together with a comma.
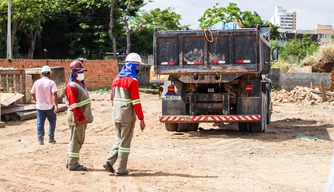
x: 303, y: 95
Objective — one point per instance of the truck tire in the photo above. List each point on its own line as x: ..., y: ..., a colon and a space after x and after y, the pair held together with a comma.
x: 269, y: 103
x: 171, y: 126
x: 260, y: 127
x: 185, y: 127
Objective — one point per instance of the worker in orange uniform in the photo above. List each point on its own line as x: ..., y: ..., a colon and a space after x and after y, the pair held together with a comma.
x: 78, y: 115
x: 126, y: 106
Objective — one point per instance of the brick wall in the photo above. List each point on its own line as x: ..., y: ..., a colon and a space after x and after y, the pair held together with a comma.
x: 100, y: 73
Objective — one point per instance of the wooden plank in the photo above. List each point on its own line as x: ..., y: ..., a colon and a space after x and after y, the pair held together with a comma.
x: 17, y: 108
x: 9, y: 98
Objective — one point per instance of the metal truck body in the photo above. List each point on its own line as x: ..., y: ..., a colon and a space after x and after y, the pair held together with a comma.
x: 218, y: 76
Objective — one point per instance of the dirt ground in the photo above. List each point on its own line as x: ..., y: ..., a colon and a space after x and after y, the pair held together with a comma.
x: 213, y: 159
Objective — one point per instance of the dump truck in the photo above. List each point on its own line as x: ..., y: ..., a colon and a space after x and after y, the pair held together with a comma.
x: 214, y: 76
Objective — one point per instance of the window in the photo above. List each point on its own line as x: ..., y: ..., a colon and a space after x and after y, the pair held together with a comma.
x: 325, y: 36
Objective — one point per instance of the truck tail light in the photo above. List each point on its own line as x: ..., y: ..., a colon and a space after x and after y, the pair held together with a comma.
x: 243, y: 61
x: 168, y: 63
x: 194, y: 63
x: 171, y: 90
x: 249, y: 88
x: 216, y: 62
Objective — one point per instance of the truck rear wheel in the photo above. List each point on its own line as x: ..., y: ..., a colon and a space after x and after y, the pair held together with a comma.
x: 171, y: 126
x: 185, y: 127
x: 261, y: 126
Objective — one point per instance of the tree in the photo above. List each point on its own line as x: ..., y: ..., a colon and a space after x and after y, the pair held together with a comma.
x: 250, y: 19
x: 28, y: 17
x: 216, y: 14
x: 144, y: 24
x: 94, y: 27
x: 111, y: 27
x: 274, y: 33
x: 231, y: 13
x: 299, y: 48
x: 143, y: 41
x: 165, y: 19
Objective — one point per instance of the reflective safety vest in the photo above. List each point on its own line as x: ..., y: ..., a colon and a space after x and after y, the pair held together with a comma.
x: 83, y: 102
x: 126, y: 100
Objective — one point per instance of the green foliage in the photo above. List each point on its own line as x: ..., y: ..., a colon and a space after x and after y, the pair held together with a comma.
x: 28, y: 16
x: 274, y: 44
x: 72, y: 28
x: 299, y: 48
x: 274, y: 33
x: 3, y: 51
x: 250, y: 19
x: 155, y: 86
x: 275, y: 90
x: 89, y: 35
x: 165, y: 19
x: 216, y: 14
x: 143, y: 25
x: 142, y: 41
x: 231, y: 13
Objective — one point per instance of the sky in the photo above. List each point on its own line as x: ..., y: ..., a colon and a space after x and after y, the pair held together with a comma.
x: 309, y: 12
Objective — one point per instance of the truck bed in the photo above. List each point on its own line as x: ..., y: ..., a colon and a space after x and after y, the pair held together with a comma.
x: 235, y: 51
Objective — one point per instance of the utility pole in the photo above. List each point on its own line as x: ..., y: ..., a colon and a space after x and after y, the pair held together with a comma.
x: 9, y: 33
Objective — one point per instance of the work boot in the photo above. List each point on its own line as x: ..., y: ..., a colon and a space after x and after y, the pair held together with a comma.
x: 108, y: 167
x: 79, y: 168
x: 52, y: 141
x: 40, y: 142
x: 126, y: 173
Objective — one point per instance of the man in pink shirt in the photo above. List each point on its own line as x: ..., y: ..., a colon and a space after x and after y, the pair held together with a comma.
x: 44, y: 91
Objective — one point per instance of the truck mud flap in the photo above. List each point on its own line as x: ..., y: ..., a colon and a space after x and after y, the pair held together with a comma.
x: 209, y: 118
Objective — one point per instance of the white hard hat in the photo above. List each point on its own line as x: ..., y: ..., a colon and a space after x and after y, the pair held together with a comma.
x: 46, y: 69
x: 133, y: 57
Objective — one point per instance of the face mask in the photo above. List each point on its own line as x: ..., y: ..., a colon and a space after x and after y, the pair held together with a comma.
x: 80, y: 77
x: 137, y: 71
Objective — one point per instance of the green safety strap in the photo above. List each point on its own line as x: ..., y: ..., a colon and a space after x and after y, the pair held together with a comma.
x: 122, y: 101
x: 80, y: 104
x: 71, y: 154
x: 124, y: 150
x: 135, y: 102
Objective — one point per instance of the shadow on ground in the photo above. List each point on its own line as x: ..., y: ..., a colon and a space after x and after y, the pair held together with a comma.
x: 285, y: 129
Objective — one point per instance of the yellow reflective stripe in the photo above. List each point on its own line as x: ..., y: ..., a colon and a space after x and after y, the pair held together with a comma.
x: 74, y: 105
x: 84, y: 102
x: 71, y: 154
x: 137, y: 101
x: 124, y: 150
x: 80, y: 104
x: 122, y: 101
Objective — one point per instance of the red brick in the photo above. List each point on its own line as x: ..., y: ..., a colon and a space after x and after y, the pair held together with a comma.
x: 100, y: 73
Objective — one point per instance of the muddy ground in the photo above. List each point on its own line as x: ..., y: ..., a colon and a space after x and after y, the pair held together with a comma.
x: 213, y: 159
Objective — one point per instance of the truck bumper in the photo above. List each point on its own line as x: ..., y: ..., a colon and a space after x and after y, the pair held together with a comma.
x: 209, y: 118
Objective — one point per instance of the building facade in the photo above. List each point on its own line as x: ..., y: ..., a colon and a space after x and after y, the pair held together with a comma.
x: 325, y: 33
x: 285, y: 20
